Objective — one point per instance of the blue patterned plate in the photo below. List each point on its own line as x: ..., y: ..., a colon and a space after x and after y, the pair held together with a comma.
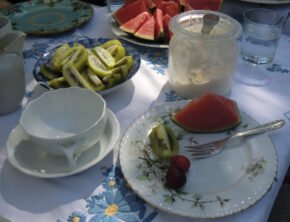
x: 48, y: 17
x: 89, y: 43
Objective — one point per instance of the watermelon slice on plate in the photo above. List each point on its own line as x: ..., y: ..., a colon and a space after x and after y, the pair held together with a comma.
x: 129, y: 11
x: 135, y: 23
x: 209, y: 113
x: 147, y: 30
x: 135, y: 9
x: 159, y: 31
x: 172, y: 9
x: 167, y: 32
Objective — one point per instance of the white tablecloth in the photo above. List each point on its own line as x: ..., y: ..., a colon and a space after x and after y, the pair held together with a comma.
x: 25, y: 198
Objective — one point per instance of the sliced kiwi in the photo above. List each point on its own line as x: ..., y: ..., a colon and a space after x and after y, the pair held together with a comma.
x: 78, y: 57
x: 58, y: 83
x: 60, y: 54
x: 112, y: 80
x: 163, y: 141
x: 91, y: 77
x: 110, y: 43
x: 112, y: 49
x: 49, y: 72
x: 97, y: 66
x: 73, y: 77
x: 130, y: 61
x: 121, y: 52
x: 105, y: 57
x: 124, y: 72
x: 121, y: 61
x: 69, y: 57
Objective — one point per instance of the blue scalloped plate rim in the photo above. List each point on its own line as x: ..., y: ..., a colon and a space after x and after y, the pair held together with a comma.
x: 87, y: 42
x: 45, y: 18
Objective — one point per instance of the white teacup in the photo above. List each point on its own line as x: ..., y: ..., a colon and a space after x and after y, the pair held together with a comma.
x: 5, y: 25
x: 65, y: 121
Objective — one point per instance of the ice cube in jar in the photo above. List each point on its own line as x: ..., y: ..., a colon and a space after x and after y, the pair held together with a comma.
x: 202, y: 62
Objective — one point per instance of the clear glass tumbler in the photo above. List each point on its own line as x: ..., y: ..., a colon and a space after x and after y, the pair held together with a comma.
x: 262, y: 31
x: 286, y: 29
x: 114, y: 5
x: 200, y: 62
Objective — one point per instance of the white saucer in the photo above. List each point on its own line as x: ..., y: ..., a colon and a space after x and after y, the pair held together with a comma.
x: 24, y: 156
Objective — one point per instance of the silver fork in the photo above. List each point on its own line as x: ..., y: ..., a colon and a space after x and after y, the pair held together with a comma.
x: 215, y: 147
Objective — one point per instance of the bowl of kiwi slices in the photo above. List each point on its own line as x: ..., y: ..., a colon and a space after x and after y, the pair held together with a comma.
x: 102, y: 65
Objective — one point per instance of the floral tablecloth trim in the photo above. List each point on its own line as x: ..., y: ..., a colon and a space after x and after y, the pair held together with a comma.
x: 114, y: 201
x: 278, y: 69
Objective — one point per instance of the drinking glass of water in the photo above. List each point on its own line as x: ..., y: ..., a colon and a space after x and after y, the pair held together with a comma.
x: 114, y: 5
x: 286, y: 29
x: 261, y: 33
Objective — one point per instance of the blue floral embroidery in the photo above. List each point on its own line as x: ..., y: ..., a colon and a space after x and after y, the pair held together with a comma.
x: 158, y: 60
x: 37, y: 50
x: 112, y: 207
x: 287, y: 115
x: 171, y: 96
x: 117, y: 203
x: 277, y: 68
x: 113, y: 178
x: 67, y: 38
x: 77, y: 216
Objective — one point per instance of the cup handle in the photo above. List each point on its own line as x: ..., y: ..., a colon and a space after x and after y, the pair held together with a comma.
x: 69, y: 151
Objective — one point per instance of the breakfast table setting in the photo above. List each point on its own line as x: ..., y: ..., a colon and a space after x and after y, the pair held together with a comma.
x: 110, y: 182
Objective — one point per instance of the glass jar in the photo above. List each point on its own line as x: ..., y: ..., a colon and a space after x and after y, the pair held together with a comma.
x: 200, y: 62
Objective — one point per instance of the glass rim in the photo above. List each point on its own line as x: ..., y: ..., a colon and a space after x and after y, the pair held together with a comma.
x: 235, y: 32
x: 279, y: 22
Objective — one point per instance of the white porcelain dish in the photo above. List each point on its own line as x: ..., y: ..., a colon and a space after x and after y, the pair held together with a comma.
x: 65, y: 121
x: 27, y: 158
x: 217, y: 186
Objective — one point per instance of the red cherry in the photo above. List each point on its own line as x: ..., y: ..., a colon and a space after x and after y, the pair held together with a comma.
x: 180, y: 162
x: 175, y: 178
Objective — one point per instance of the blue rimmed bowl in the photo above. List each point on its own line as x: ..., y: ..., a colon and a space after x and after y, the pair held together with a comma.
x: 89, y: 43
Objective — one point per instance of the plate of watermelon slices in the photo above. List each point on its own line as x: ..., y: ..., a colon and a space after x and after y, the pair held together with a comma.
x: 132, y: 39
x: 146, y: 22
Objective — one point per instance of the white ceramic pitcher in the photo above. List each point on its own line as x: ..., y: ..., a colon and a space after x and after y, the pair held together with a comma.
x: 12, y: 79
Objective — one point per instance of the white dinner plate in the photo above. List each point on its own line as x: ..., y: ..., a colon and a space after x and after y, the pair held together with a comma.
x: 24, y: 156
x: 216, y: 186
x: 268, y: 1
x: 123, y: 35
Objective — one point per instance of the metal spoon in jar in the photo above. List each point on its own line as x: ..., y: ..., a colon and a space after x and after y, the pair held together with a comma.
x: 209, y: 21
